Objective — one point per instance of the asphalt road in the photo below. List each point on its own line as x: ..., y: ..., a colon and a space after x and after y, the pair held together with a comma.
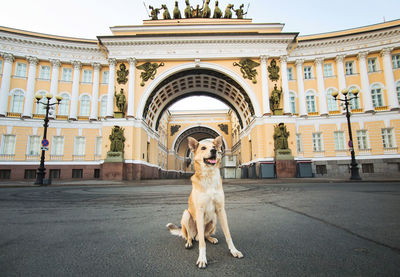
x: 329, y: 229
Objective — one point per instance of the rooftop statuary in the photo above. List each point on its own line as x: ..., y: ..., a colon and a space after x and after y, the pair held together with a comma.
x: 206, y: 10
x: 154, y: 13
x: 228, y: 12
x: 177, y: 12
x: 239, y: 12
x: 166, y: 14
x: 217, y: 11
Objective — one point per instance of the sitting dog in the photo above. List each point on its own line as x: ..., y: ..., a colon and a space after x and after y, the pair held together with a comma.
x: 206, y: 201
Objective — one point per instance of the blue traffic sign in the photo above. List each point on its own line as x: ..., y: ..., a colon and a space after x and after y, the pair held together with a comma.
x: 45, y: 142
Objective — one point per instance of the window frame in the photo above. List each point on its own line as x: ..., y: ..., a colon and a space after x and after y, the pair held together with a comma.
x: 372, y: 65
x: 18, y: 70
x: 339, y: 139
x: 84, y: 105
x: 388, y: 138
x: 317, y: 140
x: 21, y: 99
x: 7, y: 146
x: 330, y: 71
x: 378, y: 98
x: 308, y: 74
x: 64, y: 74
x: 349, y: 67
x: 363, y: 139
x: 396, y: 61
x: 43, y: 74
x: 87, y: 76
x: 314, y: 103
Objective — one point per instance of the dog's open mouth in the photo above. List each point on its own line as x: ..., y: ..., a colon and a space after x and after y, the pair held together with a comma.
x: 211, y: 160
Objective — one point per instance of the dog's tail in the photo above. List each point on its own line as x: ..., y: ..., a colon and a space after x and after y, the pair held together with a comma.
x: 175, y: 230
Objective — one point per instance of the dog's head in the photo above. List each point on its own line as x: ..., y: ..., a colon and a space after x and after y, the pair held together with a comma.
x: 206, y: 153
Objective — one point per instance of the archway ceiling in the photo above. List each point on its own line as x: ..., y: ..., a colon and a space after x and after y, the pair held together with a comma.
x: 199, y: 133
x: 198, y: 82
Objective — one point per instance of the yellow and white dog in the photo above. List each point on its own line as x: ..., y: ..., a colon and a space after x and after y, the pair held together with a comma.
x: 206, y: 201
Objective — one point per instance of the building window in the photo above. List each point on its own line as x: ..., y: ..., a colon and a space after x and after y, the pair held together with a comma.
x: 17, y: 101
x: 317, y: 142
x: 84, y: 105
x: 310, y: 99
x: 77, y: 173
x: 355, y: 102
x: 339, y: 140
x: 332, y: 103
x: 388, y: 138
x: 307, y: 72
x: 372, y: 65
x: 63, y: 108
x: 398, y: 91
x: 103, y: 106
x: 55, y: 173
x: 57, y: 146
x: 362, y: 139
x: 328, y: 70
x: 87, y: 76
x: 377, y: 96
x: 66, y: 75
x: 96, y: 173
x: 396, y: 61
x: 79, y: 146
x: 292, y: 100
x: 349, y: 66
x: 5, y: 174
x: 299, y: 143
x: 105, y: 77
x: 290, y: 73
x: 367, y: 168
x: 321, y: 169
x: 33, y: 146
x: 44, y: 72
x: 40, y: 108
x: 20, y: 70
x: 30, y: 174
x: 98, y: 146
x: 1, y: 66
x: 8, y: 145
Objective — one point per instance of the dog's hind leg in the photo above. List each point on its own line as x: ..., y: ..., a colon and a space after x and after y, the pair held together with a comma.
x: 188, y: 228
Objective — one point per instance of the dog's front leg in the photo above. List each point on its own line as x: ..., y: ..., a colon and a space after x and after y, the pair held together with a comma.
x: 202, y: 260
x: 225, y: 228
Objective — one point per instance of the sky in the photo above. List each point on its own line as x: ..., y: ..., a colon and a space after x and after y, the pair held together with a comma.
x: 92, y: 18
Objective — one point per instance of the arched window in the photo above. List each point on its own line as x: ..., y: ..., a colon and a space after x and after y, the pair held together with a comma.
x: 40, y: 108
x: 398, y: 90
x: 377, y: 96
x: 63, y: 108
x: 354, y: 103
x: 332, y: 103
x: 17, y: 101
x: 103, y: 106
x: 310, y: 100
x: 292, y: 101
x: 85, y: 105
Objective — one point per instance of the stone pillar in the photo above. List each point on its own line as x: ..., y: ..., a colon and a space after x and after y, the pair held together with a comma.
x: 75, y: 90
x: 340, y: 72
x: 264, y: 83
x: 30, y: 87
x: 389, y: 79
x: 95, y: 91
x: 110, y: 94
x: 365, y: 90
x: 5, y: 83
x: 285, y: 85
x: 54, y: 81
x: 323, y: 107
x: 300, y: 87
x: 131, y: 88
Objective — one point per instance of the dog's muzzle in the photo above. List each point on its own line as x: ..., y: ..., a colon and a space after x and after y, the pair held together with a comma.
x: 212, y: 160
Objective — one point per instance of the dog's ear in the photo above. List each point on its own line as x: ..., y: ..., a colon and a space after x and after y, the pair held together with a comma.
x: 193, y: 144
x: 218, y: 142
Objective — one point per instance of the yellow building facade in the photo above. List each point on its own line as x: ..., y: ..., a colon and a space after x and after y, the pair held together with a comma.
x: 236, y: 61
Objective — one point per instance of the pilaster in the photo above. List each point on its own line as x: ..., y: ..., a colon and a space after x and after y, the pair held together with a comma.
x: 95, y: 91
x: 30, y: 86
x: 110, y: 93
x: 131, y: 87
x: 300, y: 86
x: 264, y: 83
x: 389, y: 79
x: 323, y: 108
x: 340, y: 72
x: 75, y: 90
x: 365, y: 89
x: 285, y: 85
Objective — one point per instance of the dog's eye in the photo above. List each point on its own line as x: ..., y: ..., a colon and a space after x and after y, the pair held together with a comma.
x: 203, y: 148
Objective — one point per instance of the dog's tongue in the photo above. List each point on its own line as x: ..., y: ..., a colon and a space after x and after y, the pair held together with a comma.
x: 212, y: 161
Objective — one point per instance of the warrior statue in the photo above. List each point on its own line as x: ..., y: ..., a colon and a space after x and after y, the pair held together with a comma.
x: 206, y: 10
x: 117, y: 139
x: 166, y: 14
x: 188, y: 10
x: 154, y: 13
x: 281, y: 137
x: 120, y: 100
x: 228, y: 12
x: 239, y: 12
x: 217, y: 11
x: 275, y: 98
x: 177, y: 12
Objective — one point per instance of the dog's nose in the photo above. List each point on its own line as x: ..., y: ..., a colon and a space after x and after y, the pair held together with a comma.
x: 213, y: 151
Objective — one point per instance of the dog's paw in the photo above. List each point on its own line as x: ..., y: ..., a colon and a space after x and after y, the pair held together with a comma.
x: 236, y: 253
x: 188, y: 245
x: 201, y: 262
x: 212, y: 240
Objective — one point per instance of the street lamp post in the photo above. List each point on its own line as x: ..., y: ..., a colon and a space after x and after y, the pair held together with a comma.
x: 355, y: 175
x: 42, y: 170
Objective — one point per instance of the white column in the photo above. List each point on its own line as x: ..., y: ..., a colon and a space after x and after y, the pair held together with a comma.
x: 75, y: 90
x: 365, y: 90
x: 265, y: 84
x: 389, y: 79
x: 5, y: 83
x: 340, y: 72
x: 30, y: 87
x: 54, y: 81
x: 323, y: 108
x: 300, y: 87
x: 111, y: 89
x: 131, y: 88
x: 95, y: 91
x: 285, y: 85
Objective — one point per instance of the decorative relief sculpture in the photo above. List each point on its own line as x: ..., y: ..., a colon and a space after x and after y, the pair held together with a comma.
x: 117, y: 139
x: 174, y: 129
x: 224, y: 128
x: 247, y: 68
x: 122, y: 74
x: 273, y: 70
x: 281, y: 135
x: 120, y: 101
x: 275, y: 100
x: 150, y: 71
